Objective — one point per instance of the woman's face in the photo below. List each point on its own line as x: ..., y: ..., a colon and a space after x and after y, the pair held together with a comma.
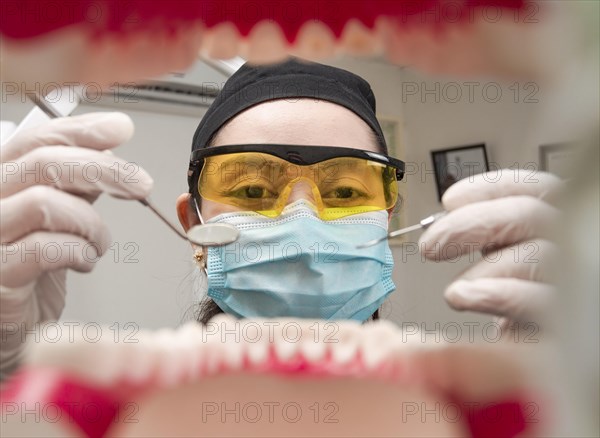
x: 293, y: 121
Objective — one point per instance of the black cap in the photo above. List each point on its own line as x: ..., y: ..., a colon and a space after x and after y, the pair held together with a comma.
x: 294, y: 78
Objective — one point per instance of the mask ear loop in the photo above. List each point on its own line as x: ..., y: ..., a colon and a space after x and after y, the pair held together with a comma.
x: 198, y: 211
x: 199, y: 254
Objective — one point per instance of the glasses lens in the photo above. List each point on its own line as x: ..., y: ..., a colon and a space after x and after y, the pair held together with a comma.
x: 260, y: 182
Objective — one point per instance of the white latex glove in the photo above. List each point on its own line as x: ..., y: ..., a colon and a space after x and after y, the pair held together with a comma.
x: 49, y: 176
x: 504, y: 215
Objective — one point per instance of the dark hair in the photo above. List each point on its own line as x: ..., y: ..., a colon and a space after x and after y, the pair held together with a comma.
x: 207, y: 308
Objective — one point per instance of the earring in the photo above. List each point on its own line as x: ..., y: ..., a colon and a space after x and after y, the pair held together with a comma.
x: 199, y: 257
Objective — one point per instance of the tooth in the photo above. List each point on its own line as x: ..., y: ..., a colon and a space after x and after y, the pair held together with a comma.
x: 104, y: 47
x: 130, y: 53
x: 191, y: 338
x: 377, y: 343
x: 211, y: 339
x: 222, y: 344
x: 357, y: 39
x: 348, y: 341
x: 417, y: 46
x: 221, y: 42
x: 167, y: 361
x: 189, y: 43
x: 258, y: 345
x: 395, y: 39
x: 231, y: 348
x: 183, y: 350
x: 210, y: 363
x: 314, y: 41
x: 317, y: 338
x: 287, y: 338
x: 266, y: 43
x: 139, y: 359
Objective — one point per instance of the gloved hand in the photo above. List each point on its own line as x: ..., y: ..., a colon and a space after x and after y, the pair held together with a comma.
x: 504, y: 215
x: 50, y: 175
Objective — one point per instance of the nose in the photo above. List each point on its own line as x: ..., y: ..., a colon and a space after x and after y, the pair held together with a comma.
x: 302, y: 189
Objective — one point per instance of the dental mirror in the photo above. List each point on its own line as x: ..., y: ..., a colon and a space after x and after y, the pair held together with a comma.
x: 201, y: 235
x: 213, y: 234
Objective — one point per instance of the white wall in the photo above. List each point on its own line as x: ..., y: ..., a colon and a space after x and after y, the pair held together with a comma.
x: 155, y: 290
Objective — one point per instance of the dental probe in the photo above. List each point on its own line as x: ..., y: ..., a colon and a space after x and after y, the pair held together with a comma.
x: 217, y: 234
x: 423, y: 224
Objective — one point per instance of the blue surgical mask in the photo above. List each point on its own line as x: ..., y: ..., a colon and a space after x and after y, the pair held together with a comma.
x: 298, y: 265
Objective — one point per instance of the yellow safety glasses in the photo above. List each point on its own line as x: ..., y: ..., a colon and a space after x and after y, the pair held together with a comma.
x: 264, y: 178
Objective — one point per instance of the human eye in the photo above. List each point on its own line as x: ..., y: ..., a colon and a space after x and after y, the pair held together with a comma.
x: 344, y: 194
x: 252, y: 192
